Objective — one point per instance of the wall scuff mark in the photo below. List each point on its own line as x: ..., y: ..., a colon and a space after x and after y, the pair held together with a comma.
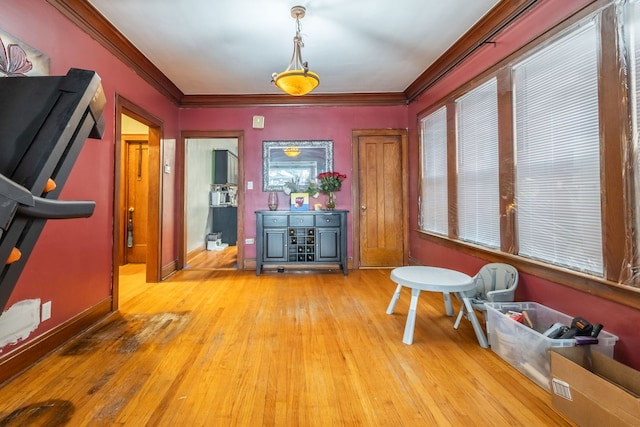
x: 19, y: 321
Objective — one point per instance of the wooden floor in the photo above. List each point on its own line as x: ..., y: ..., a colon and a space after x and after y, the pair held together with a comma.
x: 227, y: 348
x: 226, y: 258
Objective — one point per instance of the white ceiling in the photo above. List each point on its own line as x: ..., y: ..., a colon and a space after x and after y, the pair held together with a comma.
x: 234, y: 46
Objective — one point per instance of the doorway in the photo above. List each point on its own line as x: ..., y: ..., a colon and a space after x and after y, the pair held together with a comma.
x: 212, y: 197
x: 136, y: 190
x: 131, y: 122
x: 380, y: 176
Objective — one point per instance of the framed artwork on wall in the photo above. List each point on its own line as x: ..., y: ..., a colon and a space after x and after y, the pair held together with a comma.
x: 298, y: 161
x: 17, y: 59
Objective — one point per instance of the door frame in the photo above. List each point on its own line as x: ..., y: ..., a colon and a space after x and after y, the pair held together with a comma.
x: 180, y: 190
x: 355, y: 185
x: 154, y: 229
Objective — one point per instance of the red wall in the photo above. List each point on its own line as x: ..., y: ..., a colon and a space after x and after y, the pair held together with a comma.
x: 71, y: 264
x: 618, y: 319
x: 293, y: 123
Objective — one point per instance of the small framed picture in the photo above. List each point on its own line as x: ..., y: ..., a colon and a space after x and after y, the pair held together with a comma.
x: 299, y: 201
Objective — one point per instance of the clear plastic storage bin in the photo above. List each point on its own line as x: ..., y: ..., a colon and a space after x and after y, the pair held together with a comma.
x: 526, y: 348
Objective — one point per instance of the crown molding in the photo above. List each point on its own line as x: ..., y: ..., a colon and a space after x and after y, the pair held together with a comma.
x: 86, y: 17
x: 346, y: 99
x: 498, y: 18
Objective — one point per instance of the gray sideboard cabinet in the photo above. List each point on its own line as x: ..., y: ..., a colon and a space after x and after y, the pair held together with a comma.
x: 301, y: 238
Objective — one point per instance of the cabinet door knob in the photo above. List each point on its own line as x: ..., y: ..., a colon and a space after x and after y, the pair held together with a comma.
x: 363, y: 207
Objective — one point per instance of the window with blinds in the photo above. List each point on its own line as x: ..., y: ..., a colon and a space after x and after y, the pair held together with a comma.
x: 558, y: 153
x: 434, y: 202
x: 478, y: 162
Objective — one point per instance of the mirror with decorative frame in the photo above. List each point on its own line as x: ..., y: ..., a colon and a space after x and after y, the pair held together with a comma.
x: 284, y: 161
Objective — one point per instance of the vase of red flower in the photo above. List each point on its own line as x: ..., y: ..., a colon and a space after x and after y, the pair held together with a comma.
x: 329, y: 183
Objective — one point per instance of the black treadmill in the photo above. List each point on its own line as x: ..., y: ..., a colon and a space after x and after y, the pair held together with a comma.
x: 44, y: 122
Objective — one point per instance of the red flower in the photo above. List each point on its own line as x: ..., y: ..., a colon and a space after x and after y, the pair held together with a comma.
x: 330, y: 181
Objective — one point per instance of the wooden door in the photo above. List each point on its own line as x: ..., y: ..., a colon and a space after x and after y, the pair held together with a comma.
x: 381, y: 201
x: 136, y: 201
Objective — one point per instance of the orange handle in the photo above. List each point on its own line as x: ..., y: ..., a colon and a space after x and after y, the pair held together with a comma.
x: 50, y: 185
x: 14, y: 256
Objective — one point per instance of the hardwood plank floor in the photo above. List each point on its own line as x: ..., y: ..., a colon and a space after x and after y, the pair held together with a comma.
x: 226, y: 258
x: 227, y: 348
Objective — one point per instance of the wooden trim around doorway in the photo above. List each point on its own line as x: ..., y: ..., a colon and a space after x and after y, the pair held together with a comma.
x: 154, y: 224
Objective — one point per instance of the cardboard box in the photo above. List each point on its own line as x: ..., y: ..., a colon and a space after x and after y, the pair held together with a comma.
x: 594, y: 390
x: 299, y: 201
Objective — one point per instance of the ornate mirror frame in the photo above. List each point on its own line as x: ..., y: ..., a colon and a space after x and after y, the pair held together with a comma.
x: 304, y: 161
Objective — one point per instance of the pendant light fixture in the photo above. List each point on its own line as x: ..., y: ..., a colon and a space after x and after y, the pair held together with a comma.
x: 296, y: 79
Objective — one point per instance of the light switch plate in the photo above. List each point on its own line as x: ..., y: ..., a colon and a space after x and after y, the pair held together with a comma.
x: 46, y: 311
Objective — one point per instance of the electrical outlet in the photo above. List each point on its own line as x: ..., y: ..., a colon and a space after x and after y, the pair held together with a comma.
x: 249, y: 241
x: 46, y: 311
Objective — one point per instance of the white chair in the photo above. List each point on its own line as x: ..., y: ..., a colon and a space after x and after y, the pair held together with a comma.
x: 495, y: 282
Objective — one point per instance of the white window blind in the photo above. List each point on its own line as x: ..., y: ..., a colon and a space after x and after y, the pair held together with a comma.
x: 633, y: 26
x: 478, y: 174
x: 434, y: 201
x: 558, y: 153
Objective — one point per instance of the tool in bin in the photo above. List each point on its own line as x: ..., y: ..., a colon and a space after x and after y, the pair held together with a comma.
x: 581, y: 330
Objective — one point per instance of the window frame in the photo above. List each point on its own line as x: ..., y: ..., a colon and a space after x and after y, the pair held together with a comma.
x: 615, y: 139
x: 570, y: 242
x: 492, y: 82
x: 445, y: 109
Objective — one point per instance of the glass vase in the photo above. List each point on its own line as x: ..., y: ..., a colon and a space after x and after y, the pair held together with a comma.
x: 273, y: 201
x: 331, y: 201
